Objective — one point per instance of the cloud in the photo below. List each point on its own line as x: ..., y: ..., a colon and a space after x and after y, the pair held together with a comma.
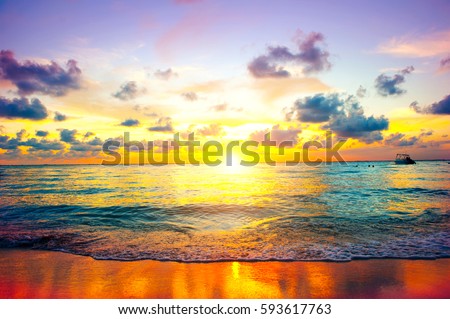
x: 433, y: 44
x: 33, y: 144
x: 316, y: 109
x: 224, y: 107
x: 415, y: 106
x: 399, y: 140
x: 345, y: 117
x: 361, y: 92
x: 190, y: 96
x: 31, y: 77
x: 21, y: 134
x: 389, y: 85
x: 22, y: 108
x: 444, y: 65
x: 43, y: 145
x: 130, y: 122
x: 164, y: 124
x: 59, y: 117
x: 441, y: 107
x: 426, y: 133
x: 95, y: 142
x: 261, y: 68
x: 127, y: 91
x: 88, y: 134
x: 68, y: 136
x: 165, y: 75
x: 219, y: 107
x: 310, y: 56
x: 44, y: 148
x: 41, y: 133
x: 94, y: 146
x: 211, y: 130
x: 354, y: 124
x: 8, y: 143
x: 144, y: 110
x: 277, y: 134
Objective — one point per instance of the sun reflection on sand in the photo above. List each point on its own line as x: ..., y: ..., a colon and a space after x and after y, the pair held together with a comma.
x: 41, y: 274
x: 235, y: 266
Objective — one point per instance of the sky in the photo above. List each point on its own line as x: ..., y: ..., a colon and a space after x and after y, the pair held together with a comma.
x: 74, y: 74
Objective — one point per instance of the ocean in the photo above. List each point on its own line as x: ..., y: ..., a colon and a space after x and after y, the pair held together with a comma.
x: 204, y: 214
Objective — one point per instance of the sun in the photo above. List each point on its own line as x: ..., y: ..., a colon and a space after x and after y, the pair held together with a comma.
x: 234, y: 167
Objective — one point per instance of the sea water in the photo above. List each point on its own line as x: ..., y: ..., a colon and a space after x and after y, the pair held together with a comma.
x: 200, y: 213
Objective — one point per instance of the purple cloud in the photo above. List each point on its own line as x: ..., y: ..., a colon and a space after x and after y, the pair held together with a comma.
x: 260, y: 67
x: 441, y: 107
x: 31, y: 77
x: 444, y: 65
x: 310, y: 56
x: 127, y: 91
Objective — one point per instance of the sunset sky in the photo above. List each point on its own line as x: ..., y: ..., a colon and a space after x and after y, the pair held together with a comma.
x: 74, y: 74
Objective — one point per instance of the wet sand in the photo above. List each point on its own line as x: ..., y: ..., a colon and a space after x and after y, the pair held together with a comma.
x: 45, y: 274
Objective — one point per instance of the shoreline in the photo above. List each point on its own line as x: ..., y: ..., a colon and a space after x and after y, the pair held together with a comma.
x: 50, y: 274
x: 180, y: 261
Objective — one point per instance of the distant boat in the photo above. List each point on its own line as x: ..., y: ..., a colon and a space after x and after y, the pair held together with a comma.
x: 404, y: 159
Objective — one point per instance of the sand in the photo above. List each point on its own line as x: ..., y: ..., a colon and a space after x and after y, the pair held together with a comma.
x: 46, y: 274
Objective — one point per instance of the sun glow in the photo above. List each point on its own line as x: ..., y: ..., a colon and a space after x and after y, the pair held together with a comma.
x: 234, y: 166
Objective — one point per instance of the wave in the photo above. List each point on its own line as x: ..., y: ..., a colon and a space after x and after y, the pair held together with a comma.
x: 419, y: 190
x: 424, y: 247
x: 285, y: 238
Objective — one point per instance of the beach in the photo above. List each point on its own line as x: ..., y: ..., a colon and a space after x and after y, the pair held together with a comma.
x: 203, y: 232
x: 48, y: 274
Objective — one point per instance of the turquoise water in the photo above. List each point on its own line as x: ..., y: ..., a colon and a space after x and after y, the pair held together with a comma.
x: 199, y: 213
